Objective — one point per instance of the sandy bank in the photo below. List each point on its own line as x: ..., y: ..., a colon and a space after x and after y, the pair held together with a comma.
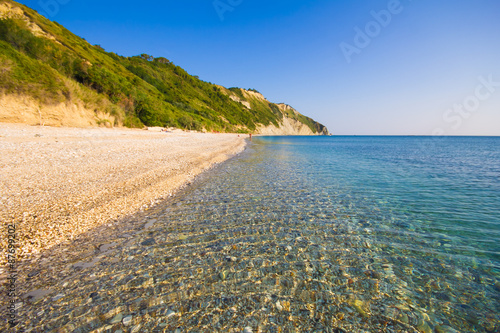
x: 57, y: 183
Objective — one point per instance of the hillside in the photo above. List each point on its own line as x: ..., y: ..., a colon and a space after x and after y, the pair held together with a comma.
x: 50, y: 76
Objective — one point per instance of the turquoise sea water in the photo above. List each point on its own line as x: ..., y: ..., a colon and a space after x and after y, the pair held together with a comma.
x: 446, y: 191
x: 393, y: 229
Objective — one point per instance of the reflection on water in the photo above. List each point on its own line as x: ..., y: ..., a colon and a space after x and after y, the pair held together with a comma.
x: 311, y: 235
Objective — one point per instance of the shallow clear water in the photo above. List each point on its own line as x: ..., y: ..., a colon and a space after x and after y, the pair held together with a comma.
x: 434, y: 188
x: 299, y: 234
x: 409, y: 226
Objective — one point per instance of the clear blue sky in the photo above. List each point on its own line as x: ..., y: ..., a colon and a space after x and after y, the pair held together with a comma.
x: 427, y: 67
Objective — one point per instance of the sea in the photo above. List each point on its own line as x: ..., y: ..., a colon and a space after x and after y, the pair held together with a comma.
x: 348, y: 234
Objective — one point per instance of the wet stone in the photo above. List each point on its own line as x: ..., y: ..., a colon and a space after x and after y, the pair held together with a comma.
x: 127, y: 320
x: 116, y: 319
x: 424, y: 327
x: 148, y: 242
x: 170, y: 313
x: 445, y: 329
x: 135, y: 328
x: 33, y: 273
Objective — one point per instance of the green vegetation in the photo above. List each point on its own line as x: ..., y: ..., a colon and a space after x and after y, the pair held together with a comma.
x: 137, y: 91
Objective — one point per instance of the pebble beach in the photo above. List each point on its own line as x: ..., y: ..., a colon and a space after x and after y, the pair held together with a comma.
x: 58, y: 183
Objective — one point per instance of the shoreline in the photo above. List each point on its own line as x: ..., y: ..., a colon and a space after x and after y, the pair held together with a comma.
x: 59, y: 183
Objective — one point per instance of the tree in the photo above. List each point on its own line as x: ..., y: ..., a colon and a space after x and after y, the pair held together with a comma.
x: 147, y: 57
x: 162, y: 60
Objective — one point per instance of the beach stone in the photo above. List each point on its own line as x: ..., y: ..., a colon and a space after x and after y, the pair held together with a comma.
x: 424, y: 327
x: 443, y: 297
x: 127, y: 320
x: 33, y: 273
x: 148, y: 242
x: 106, y: 247
x: 135, y: 329
x: 57, y: 297
x: 445, y: 329
x: 247, y: 329
x: 116, y: 319
x: 279, y: 306
x: 150, y: 223
x: 37, y: 294
x: 404, y: 318
x: 359, y: 305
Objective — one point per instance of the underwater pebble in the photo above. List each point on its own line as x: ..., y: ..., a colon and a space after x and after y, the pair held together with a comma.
x: 445, y: 329
x: 424, y: 327
x: 127, y: 320
x: 135, y: 329
x: 116, y: 319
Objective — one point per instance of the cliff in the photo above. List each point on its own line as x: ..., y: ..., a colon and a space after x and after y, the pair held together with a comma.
x: 291, y: 125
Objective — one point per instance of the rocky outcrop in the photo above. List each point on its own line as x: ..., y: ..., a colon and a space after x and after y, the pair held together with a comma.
x: 291, y: 123
x: 287, y: 127
x: 8, y: 10
x: 292, y: 114
x: 239, y: 100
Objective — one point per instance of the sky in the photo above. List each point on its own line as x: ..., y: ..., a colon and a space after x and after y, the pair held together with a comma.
x: 367, y: 67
